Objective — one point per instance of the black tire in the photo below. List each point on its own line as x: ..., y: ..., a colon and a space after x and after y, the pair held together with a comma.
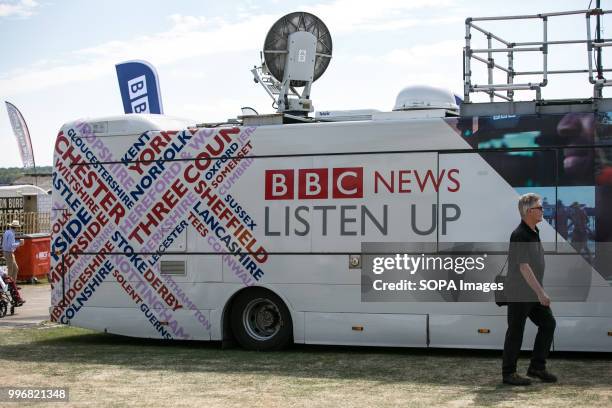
x: 261, y: 321
x: 3, y: 307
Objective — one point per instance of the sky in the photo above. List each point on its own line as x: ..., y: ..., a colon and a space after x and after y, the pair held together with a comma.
x: 57, y: 57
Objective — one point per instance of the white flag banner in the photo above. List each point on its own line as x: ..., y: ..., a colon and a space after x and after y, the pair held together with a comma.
x: 22, y: 134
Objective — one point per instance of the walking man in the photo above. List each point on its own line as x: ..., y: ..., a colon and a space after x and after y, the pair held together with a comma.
x: 526, y: 296
x: 9, y: 245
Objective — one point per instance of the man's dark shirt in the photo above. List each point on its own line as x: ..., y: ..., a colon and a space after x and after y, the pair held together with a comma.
x: 525, y: 247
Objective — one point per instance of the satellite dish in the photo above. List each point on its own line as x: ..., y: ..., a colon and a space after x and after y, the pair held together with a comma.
x: 296, y: 53
x: 276, y: 45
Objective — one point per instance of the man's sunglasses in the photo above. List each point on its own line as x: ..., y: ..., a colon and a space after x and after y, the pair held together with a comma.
x: 537, y: 208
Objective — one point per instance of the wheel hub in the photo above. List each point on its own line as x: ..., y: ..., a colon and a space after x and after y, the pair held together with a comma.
x: 261, y: 319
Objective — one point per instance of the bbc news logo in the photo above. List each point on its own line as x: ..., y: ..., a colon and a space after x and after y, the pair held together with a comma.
x: 314, y: 184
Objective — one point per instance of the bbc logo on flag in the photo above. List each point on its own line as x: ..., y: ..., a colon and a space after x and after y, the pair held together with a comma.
x: 139, y: 87
x: 139, y: 100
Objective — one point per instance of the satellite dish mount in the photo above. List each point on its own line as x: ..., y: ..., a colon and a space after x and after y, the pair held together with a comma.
x: 297, y: 51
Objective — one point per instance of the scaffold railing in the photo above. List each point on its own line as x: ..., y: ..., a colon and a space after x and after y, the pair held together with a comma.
x: 594, y: 47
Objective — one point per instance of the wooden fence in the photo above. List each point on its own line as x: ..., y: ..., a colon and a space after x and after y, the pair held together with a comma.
x: 30, y: 223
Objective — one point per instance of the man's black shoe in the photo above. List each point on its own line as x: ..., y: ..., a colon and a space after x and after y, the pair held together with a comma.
x: 543, y: 375
x: 515, y: 379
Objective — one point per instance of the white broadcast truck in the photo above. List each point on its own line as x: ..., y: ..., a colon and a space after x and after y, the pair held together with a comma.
x: 262, y: 230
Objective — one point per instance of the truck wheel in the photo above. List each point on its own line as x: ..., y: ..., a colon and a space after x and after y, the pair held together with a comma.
x: 261, y: 321
x: 2, y: 308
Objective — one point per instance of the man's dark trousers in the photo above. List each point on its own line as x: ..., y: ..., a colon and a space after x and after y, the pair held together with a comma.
x: 542, y: 317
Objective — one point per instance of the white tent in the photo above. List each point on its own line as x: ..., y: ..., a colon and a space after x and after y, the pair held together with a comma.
x: 43, y: 200
x: 20, y: 190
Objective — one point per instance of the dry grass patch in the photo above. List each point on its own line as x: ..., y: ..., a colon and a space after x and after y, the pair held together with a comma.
x: 104, y: 370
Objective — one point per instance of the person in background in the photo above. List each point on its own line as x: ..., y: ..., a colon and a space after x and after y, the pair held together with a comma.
x: 8, y: 284
x: 580, y: 233
x: 9, y: 245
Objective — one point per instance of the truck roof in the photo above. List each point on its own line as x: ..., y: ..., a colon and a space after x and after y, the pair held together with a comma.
x: 133, y: 124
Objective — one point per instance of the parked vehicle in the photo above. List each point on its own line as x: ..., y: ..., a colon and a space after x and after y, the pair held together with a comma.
x: 255, y: 230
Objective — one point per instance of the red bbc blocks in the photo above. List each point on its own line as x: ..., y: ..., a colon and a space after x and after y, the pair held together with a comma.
x: 314, y: 184
x: 311, y: 185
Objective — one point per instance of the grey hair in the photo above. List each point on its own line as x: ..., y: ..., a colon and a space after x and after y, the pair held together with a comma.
x: 526, y: 202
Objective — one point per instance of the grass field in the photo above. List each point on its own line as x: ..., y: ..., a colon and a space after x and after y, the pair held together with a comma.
x: 104, y: 370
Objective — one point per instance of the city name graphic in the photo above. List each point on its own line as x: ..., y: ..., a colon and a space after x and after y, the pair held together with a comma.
x: 120, y: 210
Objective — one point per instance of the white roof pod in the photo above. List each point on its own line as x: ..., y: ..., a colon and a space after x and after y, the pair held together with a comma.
x: 134, y: 123
x: 425, y: 97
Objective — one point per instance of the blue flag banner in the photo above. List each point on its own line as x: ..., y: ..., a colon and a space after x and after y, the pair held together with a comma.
x: 139, y: 87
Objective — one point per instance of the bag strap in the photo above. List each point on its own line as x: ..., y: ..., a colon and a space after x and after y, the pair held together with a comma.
x: 501, y: 271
